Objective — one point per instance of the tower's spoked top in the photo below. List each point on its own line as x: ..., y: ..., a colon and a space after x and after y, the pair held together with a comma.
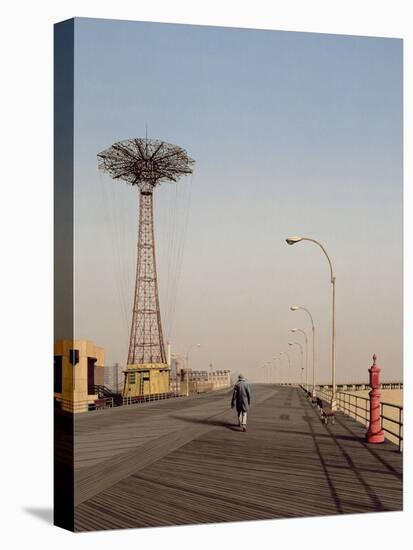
x: 145, y: 162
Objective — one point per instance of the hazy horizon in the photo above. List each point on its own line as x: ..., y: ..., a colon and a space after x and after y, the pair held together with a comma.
x: 292, y: 134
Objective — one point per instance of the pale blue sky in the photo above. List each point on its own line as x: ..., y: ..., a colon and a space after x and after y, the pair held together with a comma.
x: 292, y: 133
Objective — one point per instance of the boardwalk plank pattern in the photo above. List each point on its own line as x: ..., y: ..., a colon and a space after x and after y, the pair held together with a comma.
x: 203, y: 470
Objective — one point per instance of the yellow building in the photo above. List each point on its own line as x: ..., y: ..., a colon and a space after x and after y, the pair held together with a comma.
x: 146, y: 379
x: 78, y: 368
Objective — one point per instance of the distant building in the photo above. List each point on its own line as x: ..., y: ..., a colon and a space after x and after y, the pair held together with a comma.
x: 176, y: 373
x: 108, y: 377
x: 203, y: 381
x: 220, y: 379
x: 114, y: 378
x: 177, y: 364
x: 78, y: 369
x: 182, y: 380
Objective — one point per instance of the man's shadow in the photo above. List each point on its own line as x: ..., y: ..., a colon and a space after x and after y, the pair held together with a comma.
x: 209, y: 422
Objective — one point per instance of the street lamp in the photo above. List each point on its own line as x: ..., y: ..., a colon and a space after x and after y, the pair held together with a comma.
x: 288, y: 357
x: 294, y: 240
x: 301, y: 350
x: 187, y: 366
x: 275, y: 366
x: 259, y: 375
x: 262, y: 374
x: 268, y: 372
x: 296, y: 308
x: 306, y: 353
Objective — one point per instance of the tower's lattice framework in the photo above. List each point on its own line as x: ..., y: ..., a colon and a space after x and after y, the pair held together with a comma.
x: 146, y: 343
x: 145, y: 163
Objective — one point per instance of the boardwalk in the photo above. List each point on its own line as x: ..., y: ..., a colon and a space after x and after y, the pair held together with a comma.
x: 184, y: 461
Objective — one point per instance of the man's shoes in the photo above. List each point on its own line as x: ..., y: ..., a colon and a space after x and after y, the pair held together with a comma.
x: 244, y: 428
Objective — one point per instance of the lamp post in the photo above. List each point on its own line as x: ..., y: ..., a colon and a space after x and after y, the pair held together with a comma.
x: 262, y: 374
x: 268, y: 372
x: 306, y: 353
x: 296, y: 308
x: 294, y: 240
x: 301, y: 351
x: 187, y: 366
x: 259, y: 374
x: 288, y: 357
x: 275, y: 366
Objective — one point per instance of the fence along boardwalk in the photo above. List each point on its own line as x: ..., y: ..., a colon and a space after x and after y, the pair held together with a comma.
x: 288, y: 464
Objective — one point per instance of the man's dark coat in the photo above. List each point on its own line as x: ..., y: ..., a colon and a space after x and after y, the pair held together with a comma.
x: 241, y: 396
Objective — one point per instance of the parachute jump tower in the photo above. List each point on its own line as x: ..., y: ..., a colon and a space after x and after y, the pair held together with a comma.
x: 145, y: 163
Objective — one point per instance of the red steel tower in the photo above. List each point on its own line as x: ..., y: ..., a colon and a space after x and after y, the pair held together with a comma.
x: 145, y: 163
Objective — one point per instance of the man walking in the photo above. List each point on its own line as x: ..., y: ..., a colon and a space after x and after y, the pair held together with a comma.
x: 241, y: 399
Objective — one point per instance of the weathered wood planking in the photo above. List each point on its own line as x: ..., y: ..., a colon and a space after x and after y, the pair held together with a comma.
x: 111, y: 451
x: 288, y: 464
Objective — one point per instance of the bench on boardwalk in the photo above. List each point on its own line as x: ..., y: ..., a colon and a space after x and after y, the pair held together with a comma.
x: 325, y: 412
x: 102, y: 403
x: 312, y: 399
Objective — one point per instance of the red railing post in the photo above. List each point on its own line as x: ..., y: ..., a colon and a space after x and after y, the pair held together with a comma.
x: 375, y: 433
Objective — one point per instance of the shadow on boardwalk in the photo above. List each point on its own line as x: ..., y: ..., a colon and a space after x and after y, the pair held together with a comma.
x: 209, y: 422
x: 288, y: 464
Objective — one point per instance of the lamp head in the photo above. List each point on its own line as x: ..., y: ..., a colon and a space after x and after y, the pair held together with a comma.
x: 293, y: 330
x: 294, y: 308
x: 290, y: 343
x: 293, y: 240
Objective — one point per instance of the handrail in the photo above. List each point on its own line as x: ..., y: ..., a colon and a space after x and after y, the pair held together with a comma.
x: 133, y: 400
x: 354, y: 410
x: 362, y: 385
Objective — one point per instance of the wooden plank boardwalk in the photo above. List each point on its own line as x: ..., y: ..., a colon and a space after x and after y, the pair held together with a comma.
x: 195, y: 466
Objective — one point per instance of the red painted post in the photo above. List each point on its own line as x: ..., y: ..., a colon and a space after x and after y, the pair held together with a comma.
x: 375, y: 433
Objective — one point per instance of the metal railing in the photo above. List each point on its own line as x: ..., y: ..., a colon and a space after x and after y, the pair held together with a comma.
x: 398, y: 422
x: 358, y: 407
x: 360, y: 386
x: 151, y: 397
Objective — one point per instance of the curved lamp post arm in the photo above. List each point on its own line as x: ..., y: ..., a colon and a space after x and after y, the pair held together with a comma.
x: 297, y: 344
x: 311, y: 317
x: 294, y: 240
x: 332, y: 276
x: 302, y: 332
